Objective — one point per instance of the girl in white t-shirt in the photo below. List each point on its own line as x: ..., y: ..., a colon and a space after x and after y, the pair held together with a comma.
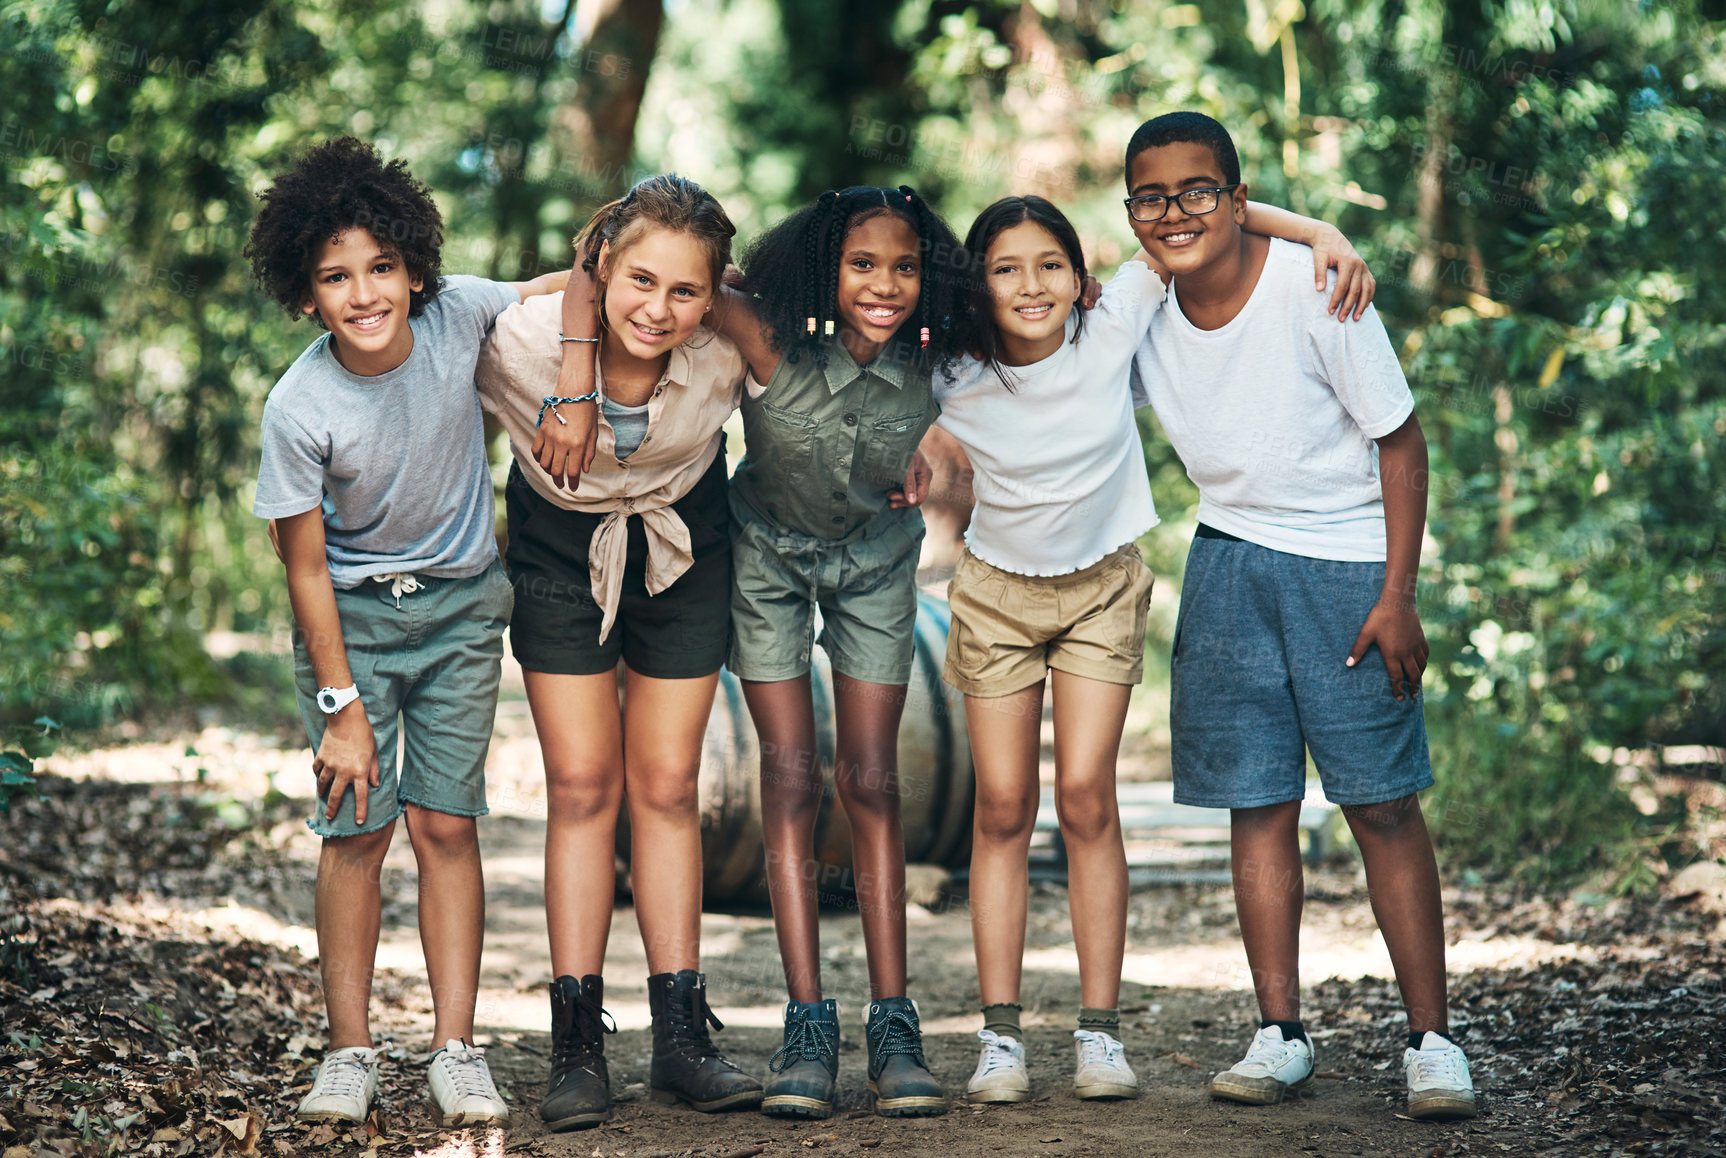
x: 1051, y: 580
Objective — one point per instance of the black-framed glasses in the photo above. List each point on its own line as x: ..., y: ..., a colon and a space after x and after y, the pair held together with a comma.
x: 1196, y: 202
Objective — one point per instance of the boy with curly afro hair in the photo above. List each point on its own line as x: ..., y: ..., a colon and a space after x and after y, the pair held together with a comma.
x: 374, y: 474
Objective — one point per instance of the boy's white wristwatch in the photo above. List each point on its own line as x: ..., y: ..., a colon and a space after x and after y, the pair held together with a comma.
x: 333, y: 700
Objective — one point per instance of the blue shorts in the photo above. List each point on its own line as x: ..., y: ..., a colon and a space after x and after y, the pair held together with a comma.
x: 1259, y: 679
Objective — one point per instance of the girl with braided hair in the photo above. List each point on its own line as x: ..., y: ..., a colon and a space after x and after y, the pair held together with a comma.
x: 848, y: 308
x: 634, y: 565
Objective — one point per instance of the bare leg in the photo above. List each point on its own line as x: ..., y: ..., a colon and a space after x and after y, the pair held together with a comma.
x: 1005, y: 742
x: 451, y: 914
x: 1402, y: 879
x: 1270, y: 890
x: 1089, y: 716
x: 664, y: 722
x: 347, y: 908
x: 581, y: 734
x: 784, y: 715
x: 866, y: 758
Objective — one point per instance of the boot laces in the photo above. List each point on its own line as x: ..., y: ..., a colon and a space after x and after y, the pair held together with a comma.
x: 896, y: 1032
x: 590, y: 1022
x: 803, y: 1041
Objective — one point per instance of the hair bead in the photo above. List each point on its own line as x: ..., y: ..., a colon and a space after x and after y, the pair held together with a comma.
x: 829, y: 328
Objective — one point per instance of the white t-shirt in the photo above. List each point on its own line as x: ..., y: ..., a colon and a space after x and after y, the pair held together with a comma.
x: 1275, y: 413
x: 1059, y: 473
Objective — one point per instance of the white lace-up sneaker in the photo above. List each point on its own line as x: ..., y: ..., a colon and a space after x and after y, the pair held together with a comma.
x: 346, y: 1083
x: 1103, y: 1070
x: 1001, y: 1075
x: 1271, y: 1070
x: 1439, y: 1085
x: 462, y: 1093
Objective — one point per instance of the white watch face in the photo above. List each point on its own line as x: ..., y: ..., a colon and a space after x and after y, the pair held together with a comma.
x: 333, y: 700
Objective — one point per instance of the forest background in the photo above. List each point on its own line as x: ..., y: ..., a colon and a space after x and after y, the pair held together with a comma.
x: 1538, y: 185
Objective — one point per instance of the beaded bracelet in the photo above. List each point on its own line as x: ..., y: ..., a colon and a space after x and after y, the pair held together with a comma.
x: 561, y: 338
x: 551, y: 402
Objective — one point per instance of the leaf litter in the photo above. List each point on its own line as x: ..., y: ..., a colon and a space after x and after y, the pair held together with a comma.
x: 126, y: 1032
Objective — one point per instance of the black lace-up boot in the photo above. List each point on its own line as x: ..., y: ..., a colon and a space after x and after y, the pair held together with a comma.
x: 580, y: 1090
x: 806, y: 1068
x: 898, y: 1076
x: 687, y: 1066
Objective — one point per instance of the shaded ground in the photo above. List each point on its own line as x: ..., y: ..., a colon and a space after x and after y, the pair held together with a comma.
x: 159, y: 996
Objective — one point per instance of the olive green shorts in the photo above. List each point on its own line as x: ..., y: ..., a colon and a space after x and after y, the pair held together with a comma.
x: 1010, y: 629
x: 434, y: 662
x: 864, y: 585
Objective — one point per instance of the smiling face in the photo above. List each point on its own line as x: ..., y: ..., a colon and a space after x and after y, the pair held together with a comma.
x: 880, y: 276
x: 656, y: 290
x: 1033, y: 285
x: 1182, y: 242
x: 362, y: 293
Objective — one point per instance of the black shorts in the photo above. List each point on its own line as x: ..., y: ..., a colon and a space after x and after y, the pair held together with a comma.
x: 681, y: 633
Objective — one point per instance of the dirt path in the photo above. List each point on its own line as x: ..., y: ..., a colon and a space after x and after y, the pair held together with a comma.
x: 1186, y: 995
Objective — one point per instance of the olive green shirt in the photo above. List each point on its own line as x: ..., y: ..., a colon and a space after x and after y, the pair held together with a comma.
x: 823, y: 448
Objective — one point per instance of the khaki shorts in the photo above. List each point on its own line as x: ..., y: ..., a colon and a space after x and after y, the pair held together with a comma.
x: 1009, y: 630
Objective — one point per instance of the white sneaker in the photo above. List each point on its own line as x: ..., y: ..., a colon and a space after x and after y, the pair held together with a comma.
x: 346, y: 1083
x: 1272, y: 1068
x: 1103, y: 1070
x: 1438, y: 1082
x: 462, y: 1093
x: 1001, y: 1075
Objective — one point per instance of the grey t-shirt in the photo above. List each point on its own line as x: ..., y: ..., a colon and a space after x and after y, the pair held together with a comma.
x: 628, y: 427
x: 397, y: 460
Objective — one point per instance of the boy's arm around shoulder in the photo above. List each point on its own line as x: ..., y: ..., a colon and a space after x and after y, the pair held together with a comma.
x: 1394, y: 622
x: 347, y: 756
x: 1355, y: 284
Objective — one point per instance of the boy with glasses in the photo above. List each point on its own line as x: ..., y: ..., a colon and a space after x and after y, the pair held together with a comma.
x: 1311, y: 467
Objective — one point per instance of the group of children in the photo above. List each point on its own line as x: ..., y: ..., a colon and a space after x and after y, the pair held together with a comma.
x: 853, y: 325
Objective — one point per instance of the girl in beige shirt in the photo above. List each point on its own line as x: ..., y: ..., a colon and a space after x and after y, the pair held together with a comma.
x: 630, y: 561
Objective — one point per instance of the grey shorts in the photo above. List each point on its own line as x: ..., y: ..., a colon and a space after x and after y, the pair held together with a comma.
x: 865, y: 585
x: 434, y: 662
x: 1259, y: 680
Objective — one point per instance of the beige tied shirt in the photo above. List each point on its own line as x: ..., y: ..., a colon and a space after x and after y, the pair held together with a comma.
x: 701, y: 386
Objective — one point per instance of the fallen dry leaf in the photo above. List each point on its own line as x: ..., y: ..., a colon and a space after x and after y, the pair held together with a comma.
x: 1182, y: 1059
x: 244, y: 1131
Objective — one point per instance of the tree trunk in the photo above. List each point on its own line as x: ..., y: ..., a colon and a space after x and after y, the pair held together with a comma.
x: 611, y: 67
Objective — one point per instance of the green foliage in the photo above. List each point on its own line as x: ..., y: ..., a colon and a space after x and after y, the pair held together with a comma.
x: 1535, y: 185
